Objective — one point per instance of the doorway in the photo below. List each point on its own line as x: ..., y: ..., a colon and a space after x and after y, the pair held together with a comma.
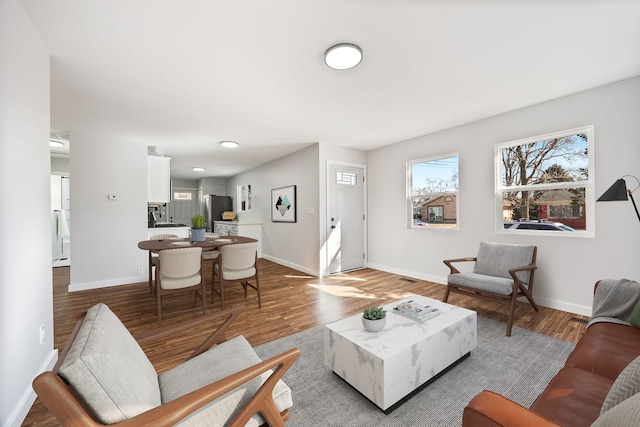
x: 346, y: 217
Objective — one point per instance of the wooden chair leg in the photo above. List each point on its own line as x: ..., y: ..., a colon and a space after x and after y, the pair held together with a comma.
x: 446, y: 294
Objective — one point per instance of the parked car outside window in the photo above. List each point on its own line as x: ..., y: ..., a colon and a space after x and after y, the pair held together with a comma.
x: 537, y: 225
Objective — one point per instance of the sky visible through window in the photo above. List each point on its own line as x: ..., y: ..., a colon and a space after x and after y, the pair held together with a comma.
x: 443, y: 171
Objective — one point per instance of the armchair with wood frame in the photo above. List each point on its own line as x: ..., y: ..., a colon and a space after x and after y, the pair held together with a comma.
x: 502, y: 272
x: 103, y: 377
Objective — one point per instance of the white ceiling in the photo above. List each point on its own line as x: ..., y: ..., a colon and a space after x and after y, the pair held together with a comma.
x: 184, y: 75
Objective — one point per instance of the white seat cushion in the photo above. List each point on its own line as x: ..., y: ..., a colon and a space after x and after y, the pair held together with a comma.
x: 217, y: 363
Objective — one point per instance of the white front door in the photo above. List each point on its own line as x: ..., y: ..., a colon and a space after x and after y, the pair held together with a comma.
x: 346, y: 220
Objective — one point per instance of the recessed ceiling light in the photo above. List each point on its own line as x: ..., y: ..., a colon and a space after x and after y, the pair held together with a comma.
x: 55, y: 143
x: 343, y: 56
x: 229, y: 144
x: 197, y: 169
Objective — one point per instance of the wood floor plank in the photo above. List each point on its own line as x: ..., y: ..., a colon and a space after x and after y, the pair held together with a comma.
x: 291, y: 302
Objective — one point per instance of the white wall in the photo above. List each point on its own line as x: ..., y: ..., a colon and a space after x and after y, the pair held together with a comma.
x: 568, y: 267
x: 26, y: 300
x: 293, y: 244
x: 106, y: 232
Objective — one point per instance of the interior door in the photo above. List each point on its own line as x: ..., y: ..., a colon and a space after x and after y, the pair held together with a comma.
x: 346, y: 227
x: 183, y: 206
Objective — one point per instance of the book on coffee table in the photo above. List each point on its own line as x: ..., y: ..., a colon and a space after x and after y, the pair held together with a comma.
x: 416, y: 311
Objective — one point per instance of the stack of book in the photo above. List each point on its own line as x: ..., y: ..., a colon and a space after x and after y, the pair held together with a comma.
x: 416, y: 311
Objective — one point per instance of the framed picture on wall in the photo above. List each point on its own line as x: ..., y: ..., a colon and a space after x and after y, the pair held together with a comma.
x: 283, y: 204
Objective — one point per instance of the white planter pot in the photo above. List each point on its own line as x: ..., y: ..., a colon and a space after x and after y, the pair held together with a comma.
x: 374, y: 325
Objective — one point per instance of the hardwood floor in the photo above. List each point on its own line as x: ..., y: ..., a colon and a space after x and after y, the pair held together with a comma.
x: 291, y: 302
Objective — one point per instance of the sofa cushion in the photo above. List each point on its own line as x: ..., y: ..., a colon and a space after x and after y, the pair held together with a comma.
x: 215, y: 364
x: 606, y: 349
x: 626, y: 385
x: 107, y: 368
x: 573, y: 397
x: 496, y: 259
x: 625, y: 414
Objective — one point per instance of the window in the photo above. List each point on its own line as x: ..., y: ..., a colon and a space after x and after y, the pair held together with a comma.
x: 177, y: 195
x: 346, y: 178
x: 544, y: 184
x: 432, y: 188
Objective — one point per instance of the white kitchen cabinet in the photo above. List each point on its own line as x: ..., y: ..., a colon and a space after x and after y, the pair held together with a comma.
x: 158, y: 179
x: 246, y: 229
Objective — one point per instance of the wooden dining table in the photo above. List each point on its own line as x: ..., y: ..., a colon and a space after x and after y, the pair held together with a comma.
x: 177, y: 242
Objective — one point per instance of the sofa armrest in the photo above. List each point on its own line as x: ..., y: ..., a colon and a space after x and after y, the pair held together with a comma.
x: 491, y: 409
x: 449, y: 263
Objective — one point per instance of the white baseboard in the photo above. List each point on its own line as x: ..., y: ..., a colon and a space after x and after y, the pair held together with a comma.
x: 29, y: 397
x: 291, y: 265
x: 107, y: 283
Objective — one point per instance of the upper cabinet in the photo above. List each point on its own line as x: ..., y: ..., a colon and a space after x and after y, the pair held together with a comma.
x: 158, y: 179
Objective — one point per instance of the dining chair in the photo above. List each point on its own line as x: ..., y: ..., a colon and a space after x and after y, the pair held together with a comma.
x: 179, y: 270
x: 209, y: 256
x: 153, y: 256
x: 236, y: 263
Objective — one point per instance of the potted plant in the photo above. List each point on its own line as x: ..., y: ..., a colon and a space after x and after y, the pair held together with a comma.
x: 374, y: 318
x: 198, y: 229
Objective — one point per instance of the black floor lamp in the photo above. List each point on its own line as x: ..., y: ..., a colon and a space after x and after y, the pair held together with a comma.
x: 619, y: 191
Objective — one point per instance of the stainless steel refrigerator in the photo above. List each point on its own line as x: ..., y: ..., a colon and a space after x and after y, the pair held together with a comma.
x: 214, y: 206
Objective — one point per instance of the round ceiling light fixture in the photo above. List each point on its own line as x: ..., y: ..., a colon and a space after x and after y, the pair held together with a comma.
x: 343, y: 56
x: 229, y: 144
x: 53, y: 143
x: 197, y: 169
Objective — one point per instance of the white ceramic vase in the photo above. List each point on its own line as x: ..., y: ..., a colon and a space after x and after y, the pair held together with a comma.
x: 374, y: 325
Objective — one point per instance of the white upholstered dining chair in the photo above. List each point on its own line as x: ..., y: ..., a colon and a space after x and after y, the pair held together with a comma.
x: 236, y: 263
x: 179, y: 270
x: 153, y: 256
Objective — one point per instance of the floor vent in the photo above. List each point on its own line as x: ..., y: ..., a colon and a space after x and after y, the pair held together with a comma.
x: 579, y: 320
x: 407, y: 280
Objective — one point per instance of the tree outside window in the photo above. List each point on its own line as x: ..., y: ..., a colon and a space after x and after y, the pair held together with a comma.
x: 546, y: 179
x: 432, y: 188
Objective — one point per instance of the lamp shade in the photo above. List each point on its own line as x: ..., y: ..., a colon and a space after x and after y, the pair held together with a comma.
x: 618, y: 191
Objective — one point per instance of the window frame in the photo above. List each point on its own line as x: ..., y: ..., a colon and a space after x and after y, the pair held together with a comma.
x: 587, y: 184
x: 410, y: 195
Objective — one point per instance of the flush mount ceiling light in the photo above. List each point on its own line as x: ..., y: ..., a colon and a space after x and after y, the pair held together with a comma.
x: 343, y: 56
x: 229, y: 144
x: 197, y: 169
x: 53, y: 143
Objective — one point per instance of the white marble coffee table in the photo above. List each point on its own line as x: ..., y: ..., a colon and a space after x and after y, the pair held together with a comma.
x: 389, y: 365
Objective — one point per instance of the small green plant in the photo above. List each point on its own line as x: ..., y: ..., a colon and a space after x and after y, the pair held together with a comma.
x: 198, y: 221
x: 374, y: 313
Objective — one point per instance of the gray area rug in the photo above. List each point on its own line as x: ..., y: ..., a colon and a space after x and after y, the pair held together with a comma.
x: 518, y: 367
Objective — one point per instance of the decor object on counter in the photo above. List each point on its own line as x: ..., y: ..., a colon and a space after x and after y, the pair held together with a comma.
x: 618, y: 191
x: 198, y: 229
x: 283, y: 204
x: 374, y: 318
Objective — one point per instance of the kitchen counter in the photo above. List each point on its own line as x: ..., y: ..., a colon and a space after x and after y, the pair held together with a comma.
x: 178, y: 231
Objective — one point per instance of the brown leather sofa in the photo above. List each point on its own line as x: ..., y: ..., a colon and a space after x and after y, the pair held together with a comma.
x: 576, y: 394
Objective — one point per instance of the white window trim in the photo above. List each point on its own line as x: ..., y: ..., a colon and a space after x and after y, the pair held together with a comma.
x: 588, y: 184
x: 410, y: 195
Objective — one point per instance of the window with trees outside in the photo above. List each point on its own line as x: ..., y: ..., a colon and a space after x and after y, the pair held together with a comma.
x: 432, y: 188
x: 544, y: 184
